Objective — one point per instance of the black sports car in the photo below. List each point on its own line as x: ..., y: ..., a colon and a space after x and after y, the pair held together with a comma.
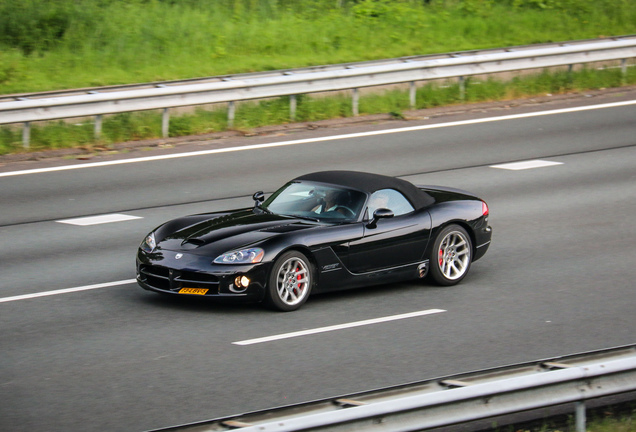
x: 324, y: 231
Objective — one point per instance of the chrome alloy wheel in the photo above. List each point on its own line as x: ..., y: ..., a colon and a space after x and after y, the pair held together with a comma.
x: 293, y: 281
x: 454, y: 255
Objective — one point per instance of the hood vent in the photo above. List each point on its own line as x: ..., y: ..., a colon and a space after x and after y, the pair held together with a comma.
x: 193, y: 242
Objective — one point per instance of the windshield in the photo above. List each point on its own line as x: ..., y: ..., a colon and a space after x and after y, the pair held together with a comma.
x: 325, y: 203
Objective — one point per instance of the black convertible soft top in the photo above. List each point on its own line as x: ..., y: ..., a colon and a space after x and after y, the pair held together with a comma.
x: 369, y: 183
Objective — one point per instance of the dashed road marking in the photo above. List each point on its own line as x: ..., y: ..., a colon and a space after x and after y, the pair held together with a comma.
x: 96, y: 220
x: 339, y: 327
x: 66, y: 290
x: 516, y: 166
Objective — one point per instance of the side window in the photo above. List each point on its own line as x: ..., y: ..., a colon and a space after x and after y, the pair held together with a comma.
x: 391, y: 199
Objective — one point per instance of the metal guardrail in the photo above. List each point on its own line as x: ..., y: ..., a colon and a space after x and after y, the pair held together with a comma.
x: 291, y: 83
x: 453, y: 400
x: 303, y: 70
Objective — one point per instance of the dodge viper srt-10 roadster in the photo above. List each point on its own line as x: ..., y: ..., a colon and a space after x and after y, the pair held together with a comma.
x: 320, y: 232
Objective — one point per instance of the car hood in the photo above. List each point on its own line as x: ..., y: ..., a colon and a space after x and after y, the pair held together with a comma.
x: 232, y: 231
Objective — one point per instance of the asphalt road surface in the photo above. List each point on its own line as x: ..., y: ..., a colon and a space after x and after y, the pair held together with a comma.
x: 106, y: 355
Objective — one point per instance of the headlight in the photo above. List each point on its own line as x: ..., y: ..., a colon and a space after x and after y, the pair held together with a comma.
x: 149, y: 244
x: 243, y: 256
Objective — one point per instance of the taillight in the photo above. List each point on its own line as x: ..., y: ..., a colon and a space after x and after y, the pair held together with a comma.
x: 484, y: 209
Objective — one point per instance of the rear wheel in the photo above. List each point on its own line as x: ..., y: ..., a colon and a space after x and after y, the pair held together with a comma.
x: 290, y: 281
x: 451, y: 255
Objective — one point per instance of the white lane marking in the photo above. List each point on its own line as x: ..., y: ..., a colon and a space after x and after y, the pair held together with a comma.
x: 66, y: 290
x: 338, y: 327
x: 313, y: 140
x: 516, y: 166
x: 96, y: 220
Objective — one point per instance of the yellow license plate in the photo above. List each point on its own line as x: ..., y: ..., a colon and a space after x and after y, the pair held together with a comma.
x: 199, y: 291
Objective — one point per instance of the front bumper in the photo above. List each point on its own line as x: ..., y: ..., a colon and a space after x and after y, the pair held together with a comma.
x: 163, y: 272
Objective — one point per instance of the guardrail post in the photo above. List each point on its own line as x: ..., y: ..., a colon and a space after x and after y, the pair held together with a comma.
x: 462, y: 88
x: 580, y: 417
x: 98, y: 127
x: 355, y: 101
x: 230, y: 114
x: 165, y: 122
x: 292, y: 107
x: 26, y: 134
x: 412, y: 94
x: 624, y: 70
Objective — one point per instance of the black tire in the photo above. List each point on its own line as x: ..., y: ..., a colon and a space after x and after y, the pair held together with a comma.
x: 290, y: 281
x: 451, y: 255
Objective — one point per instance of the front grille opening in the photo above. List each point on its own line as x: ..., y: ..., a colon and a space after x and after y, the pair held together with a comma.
x: 188, y: 279
x: 155, y: 276
x: 166, y: 279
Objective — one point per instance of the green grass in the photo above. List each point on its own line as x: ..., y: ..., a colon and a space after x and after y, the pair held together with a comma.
x: 619, y: 418
x: 47, y: 45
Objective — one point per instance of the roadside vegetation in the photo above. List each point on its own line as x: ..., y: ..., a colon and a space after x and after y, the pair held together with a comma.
x: 48, y: 45
x: 618, y: 418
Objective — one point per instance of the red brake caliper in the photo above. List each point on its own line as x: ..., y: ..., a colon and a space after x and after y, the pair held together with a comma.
x: 298, y: 277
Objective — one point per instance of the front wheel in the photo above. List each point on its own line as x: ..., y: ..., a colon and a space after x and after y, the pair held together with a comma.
x: 451, y: 255
x: 289, y: 282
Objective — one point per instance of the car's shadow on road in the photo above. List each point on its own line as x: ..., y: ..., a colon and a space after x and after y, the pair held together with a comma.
x: 194, y: 304
x: 373, y: 292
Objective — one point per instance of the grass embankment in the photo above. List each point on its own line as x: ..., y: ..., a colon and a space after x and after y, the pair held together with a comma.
x: 69, y: 44
x: 619, y: 418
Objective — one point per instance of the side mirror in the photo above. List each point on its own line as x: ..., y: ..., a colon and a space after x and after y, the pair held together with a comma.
x: 381, y: 213
x: 258, y: 197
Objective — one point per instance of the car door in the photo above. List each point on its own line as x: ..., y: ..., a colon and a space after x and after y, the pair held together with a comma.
x: 391, y: 242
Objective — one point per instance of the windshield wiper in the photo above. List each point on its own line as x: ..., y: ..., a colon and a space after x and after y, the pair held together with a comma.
x: 302, y: 217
